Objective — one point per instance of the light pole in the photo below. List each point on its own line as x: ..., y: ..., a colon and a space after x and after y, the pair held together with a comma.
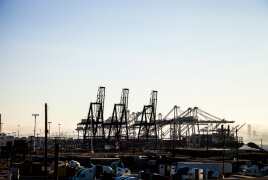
x: 18, y: 131
x: 34, y: 127
x: 49, y: 128
x: 59, y: 130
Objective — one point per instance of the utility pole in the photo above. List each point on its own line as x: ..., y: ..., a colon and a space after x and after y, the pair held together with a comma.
x: 59, y: 131
x: 34, y: 127
x: 18, y: 131
x: 46, y: 141
x: 261, y: 143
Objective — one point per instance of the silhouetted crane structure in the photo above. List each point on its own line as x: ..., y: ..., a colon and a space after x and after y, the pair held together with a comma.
x: 95, y: 122
x: 147, y: 125
x: 118, y: 125
x: 143, y: 129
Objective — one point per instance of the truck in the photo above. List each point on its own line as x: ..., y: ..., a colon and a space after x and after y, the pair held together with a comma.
x: 198, y: 174
x: 193, y: 174
x: 91, y: 173
x: 213, y: 166
x: 123, y: 172
x: 263, y: 172
x: 84, y: 174
x: 181, y: 170
x: 74, y: 163
x: 252, y: 171
x: 243, y: 169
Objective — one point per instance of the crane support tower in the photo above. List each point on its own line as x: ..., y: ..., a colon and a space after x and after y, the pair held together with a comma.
x: 147, y: 126
x: 94, y: 127
x: 118, y: 126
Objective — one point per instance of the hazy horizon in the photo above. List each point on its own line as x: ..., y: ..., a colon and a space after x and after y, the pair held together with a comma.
x: 209, y: 54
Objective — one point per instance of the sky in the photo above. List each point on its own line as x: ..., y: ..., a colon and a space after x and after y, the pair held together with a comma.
x: 209, y: 54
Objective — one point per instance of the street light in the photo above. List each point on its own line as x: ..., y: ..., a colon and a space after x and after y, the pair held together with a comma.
x: 34, y: 127
x: 59, y: 130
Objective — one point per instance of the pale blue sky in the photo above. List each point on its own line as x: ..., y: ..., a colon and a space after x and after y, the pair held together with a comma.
x: 210, y: 54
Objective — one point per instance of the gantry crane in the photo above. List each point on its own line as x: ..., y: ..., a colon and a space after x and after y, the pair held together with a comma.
x: 95, y: 123
x: 118, y: 125
x: 147, y: 125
